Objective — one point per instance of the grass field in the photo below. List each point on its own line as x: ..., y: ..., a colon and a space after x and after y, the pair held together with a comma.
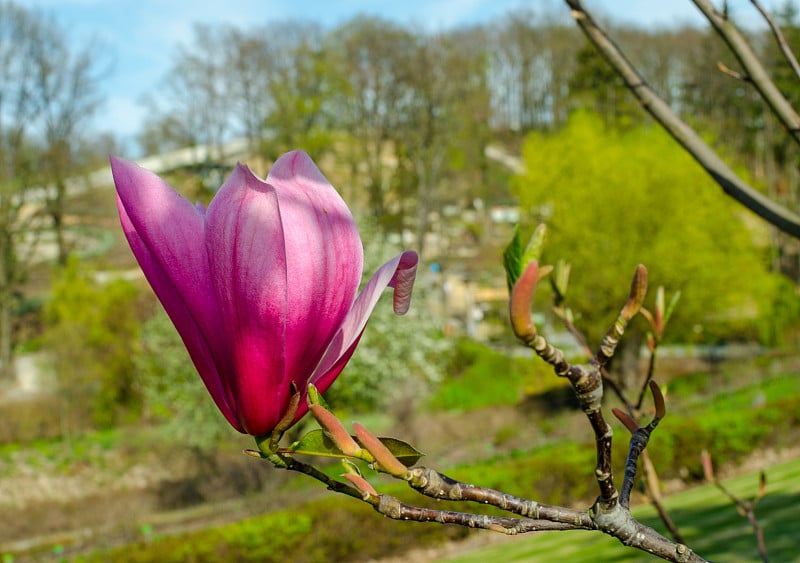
x: 708, y: 520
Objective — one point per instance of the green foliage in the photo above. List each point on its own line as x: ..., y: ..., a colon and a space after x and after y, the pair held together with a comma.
x: 172, y: 391
x: 478, y: 376
x: 557, y: 474
x: 91, y: 332
x: 332, y: 529
x: 615, y: 199
x: 784, y: 312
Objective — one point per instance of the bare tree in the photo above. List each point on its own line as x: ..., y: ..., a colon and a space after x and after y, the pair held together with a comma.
x: 300, y: 88
x: 249, y: 70
x: 17, y: 163
x: 46, y: 93
x: 66, y: 84
x: 194, y: 107
x: 439, y: 78
x: 531, y: 58
x: 369, y: 54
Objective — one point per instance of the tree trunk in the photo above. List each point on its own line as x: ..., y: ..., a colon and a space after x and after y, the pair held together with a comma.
x: 57, y: 214
x: 6, y: 348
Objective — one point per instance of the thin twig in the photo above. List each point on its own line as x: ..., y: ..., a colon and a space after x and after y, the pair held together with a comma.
x: 779, y: 37
x: 745, y: 508
x: 651, y: 367
x: 637, y: 445
x: 653, y: 490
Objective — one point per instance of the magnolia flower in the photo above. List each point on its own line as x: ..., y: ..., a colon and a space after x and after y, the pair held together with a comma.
x: 262, y: 285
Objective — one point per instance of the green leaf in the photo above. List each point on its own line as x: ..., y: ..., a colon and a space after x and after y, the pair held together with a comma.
x: 671, y: 307
x: 512, y: 259
x: 318, y: 443
x: 406, y: 453
x: 515, y: 260
x: 560, y: 279
x: 534, y: 249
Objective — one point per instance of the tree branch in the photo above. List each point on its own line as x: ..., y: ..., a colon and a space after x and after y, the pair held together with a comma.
x: 756, y: 72
x: 433, y: 484
x: 393, y: 508
x: 730, y: 182
x: 779, y: 37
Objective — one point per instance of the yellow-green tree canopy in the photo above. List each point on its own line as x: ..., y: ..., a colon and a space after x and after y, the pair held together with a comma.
x: 613, y: 199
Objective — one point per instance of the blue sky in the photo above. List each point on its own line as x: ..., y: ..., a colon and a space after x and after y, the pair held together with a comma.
x: 140, y: 35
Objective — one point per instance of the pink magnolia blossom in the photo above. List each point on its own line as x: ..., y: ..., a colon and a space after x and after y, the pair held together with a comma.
x: 262, y: 285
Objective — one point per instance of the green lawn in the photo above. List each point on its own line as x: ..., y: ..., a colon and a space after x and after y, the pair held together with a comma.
x: 709, y: 522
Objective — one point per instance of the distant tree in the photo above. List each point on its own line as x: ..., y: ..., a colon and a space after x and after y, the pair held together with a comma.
x: 369, y: 55
x: 596, y: 87
x: 300, y: 89
x: 432, y: 113
x: 249, y: 72
x: 66, y: 83
x: 47, y: 92
x: 17, y: 163
x: 531, y: 57
x: 194, y: 101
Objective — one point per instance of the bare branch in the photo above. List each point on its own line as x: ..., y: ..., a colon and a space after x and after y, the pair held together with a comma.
x: 393, y: 508
x: 730, y: 182
x: 433, y: 484
x: 776, y: 31
x: 756, y: 72
x: 639, y: 439
x: 632, y: 306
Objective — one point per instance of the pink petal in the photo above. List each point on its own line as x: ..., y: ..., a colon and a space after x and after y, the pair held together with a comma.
x: 165, y: 233
x: 247, y: 257
x: 324, y: 259
x: 399, y: 272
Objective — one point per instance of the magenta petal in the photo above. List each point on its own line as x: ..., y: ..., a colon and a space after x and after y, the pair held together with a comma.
x: 165, y: 233
x: 399, y: 272
x: 247, y: 257
x: 324, y: 259
x: 403, y: 281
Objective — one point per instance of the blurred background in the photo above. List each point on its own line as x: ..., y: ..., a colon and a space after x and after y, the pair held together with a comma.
x: 443, y: 125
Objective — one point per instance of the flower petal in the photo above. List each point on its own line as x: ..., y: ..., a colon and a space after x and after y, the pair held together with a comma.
x: 247, y: 258
x: 399, y: 272
x: 165, y: 233
x: 324, y: 259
